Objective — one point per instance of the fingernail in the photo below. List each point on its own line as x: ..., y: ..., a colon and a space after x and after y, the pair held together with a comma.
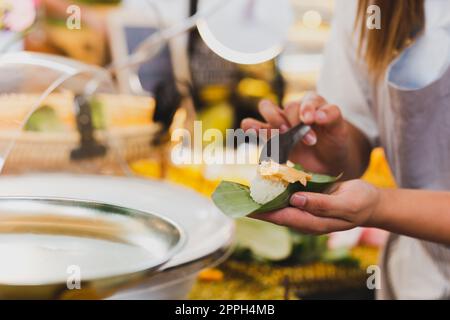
x: 298, y: 200
x: 308, y: 117
x: 321, y: 116
x: 310, y: 139
x: 291, y: 104
x: 265, y: 103
x: 284, y: 128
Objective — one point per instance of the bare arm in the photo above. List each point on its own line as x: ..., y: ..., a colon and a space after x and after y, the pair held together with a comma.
x: 415, y: 213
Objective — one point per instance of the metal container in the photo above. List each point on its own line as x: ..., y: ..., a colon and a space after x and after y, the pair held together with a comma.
x: 70, y: 249
x: 209, y: 232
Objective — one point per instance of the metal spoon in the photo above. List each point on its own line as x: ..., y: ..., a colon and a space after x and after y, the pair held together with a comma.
x: 278, y: 147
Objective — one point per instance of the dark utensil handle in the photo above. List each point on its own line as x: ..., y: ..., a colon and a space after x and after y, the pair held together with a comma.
x: 299, y: 131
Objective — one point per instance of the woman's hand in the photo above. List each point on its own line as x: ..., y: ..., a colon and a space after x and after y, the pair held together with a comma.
x: 350, y: 204
x: 324, y: 149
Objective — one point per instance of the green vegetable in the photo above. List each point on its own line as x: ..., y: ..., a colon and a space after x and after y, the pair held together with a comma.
x: 341, y: 257
x: 44, y: 119
x: 234, y: 199
x: 262, y: 241
x: 98, y: 114
x: 307, y: 248
x: 268, y: 243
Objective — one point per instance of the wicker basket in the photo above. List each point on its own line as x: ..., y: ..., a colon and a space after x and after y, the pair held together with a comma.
x: 34, y: 151
x: 126, y: 140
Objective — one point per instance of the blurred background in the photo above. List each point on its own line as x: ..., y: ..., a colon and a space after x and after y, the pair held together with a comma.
x: 185, y: 81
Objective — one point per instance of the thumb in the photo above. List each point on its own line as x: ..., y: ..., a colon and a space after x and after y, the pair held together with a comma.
x: 329, y: 116
x: 322, y: 205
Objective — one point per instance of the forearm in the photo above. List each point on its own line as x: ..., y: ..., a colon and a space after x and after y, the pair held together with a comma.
x: 358, y: 153
x: 416, y: 213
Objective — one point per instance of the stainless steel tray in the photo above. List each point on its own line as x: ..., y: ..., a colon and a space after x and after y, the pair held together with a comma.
x: 54, y: 248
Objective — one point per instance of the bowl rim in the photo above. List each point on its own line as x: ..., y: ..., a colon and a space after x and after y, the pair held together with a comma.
x: 159, y: 263
x: 221, y: 229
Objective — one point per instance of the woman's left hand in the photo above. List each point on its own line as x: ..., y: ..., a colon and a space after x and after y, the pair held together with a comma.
x: 351, y: 203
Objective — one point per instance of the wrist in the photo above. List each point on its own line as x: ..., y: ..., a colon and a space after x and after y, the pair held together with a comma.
x: 376, y: 216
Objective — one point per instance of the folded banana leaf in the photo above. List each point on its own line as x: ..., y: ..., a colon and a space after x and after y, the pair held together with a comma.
x: 234, y: 199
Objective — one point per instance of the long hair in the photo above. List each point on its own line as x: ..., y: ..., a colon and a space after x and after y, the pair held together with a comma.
x: 401, y: 22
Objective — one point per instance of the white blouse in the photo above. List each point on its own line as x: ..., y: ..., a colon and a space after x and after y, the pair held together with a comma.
x: 412, y: 271
x: 344, y: 81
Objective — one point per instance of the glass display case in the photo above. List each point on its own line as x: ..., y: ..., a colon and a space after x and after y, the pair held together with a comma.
x: 61, y: 115
x: 65, y: 132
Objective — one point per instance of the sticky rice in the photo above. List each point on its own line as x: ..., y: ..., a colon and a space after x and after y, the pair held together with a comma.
x: 263, y: 189
x: 272, y: 179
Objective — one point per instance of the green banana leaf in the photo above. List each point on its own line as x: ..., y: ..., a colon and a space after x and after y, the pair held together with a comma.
x: 234, y: 199
x: 262, y: 241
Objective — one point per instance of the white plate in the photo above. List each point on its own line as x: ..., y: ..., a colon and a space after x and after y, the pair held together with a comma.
x: 207, y: 229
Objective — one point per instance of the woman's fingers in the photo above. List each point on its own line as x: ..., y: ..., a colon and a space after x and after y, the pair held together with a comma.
x: 318, y: 204
x: 303, y: 221
x: 315, y: 110
x: 256, y: 125
x: 311, y: 102
x: 309, y: 105
x: 294, y: 218
x: 312, y: 110
x: 328, y: 115
x: 273, y: 114
x: 292, y: 111
x: 310, y: 138
x: 250, y: 123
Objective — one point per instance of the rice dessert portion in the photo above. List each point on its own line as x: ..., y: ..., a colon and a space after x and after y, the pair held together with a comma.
x: 273, y: 178
x: 263, y: 189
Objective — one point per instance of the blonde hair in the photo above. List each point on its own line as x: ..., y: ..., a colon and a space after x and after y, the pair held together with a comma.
x: 401, y: 22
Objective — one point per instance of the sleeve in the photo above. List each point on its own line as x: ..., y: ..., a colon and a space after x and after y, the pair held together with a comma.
x: 343, y: 80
